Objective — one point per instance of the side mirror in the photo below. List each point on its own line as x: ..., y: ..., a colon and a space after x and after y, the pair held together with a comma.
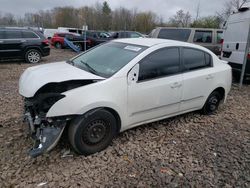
x: 133, y: 75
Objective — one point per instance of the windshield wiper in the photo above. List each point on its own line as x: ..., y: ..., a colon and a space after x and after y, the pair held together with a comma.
x: 90, y: 68
x: 70, y: 62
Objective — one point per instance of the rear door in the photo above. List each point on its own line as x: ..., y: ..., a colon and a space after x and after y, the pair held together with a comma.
x: 235, y: 41
x: 198, y: 78
x: 12, y: 44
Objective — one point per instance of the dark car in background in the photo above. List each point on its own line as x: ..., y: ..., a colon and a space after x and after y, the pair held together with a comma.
x: 206, y: 37
x: 23, y: 43
x: 126, y: 34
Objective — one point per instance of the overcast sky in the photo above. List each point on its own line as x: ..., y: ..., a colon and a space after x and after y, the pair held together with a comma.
x: 164, y: 8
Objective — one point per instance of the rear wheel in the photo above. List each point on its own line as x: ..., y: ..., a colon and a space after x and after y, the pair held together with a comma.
x: 92, y: 132
x: 58, y: 45
x: 212, y: 103
x: 32, y: 56
x: 79, y: 46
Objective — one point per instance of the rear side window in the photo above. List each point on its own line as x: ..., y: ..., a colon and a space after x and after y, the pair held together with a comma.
x: 61, y: 35
x: 161, y: 63
x: 175, y: 34
x: 203, y: 36
x: 133, y: 35
x: 123, y: 35
x: 2, y: 35
x: 29, y: 35
x: 219, y: 36
x: 195, y: 59
x: 13, y: 34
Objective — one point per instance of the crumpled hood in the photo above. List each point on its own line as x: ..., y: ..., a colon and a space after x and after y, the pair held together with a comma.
x: 35, y: 77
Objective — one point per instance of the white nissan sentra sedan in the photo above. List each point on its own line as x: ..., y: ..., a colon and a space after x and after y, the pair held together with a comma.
x: 116, y: 86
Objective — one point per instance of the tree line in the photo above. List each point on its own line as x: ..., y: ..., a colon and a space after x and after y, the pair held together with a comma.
x: 101, y: 17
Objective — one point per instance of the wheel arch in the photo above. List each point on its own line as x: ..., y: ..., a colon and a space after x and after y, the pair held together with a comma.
x: 112, y: 111
x: 222, y: 92
x: 32, y: 48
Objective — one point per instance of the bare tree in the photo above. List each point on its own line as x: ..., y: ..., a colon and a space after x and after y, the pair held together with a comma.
x: 180, y: 19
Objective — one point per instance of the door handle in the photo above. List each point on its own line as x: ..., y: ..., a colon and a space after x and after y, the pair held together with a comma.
x: 176, y: 85
x: 209, y: 77
x: 23, y: 40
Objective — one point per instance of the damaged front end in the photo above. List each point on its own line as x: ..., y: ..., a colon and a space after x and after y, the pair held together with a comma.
x: 45, y: 132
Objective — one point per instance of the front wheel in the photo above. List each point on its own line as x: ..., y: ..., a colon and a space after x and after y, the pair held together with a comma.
x: 92, y: 132
x: 32, y: 56
x: 212, y: 103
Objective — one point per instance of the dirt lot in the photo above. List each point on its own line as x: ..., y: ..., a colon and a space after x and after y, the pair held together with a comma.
x: 186, y: 151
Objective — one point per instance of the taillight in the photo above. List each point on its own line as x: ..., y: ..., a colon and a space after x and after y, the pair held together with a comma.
x: 46, y: 42
x: 221, y: 41
x: 248, y: 56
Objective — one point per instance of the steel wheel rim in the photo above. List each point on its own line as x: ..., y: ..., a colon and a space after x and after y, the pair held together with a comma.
x: 213, y: 103
x: 95, y: 133
x: 33, y: 57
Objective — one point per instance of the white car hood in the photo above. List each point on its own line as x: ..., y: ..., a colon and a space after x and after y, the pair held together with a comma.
x: 35, y: 77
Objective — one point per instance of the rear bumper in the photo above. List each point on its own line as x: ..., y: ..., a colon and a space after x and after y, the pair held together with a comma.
x: 46, y: 51
x: 238, y: 67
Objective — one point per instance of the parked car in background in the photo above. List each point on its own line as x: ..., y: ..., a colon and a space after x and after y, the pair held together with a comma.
x: 209, y: 38
x: 153, y: 79
x: 58, y: 40
x: 49, y: 33
x: 126, y: 34
x: 97, y: 37
x: 23, y: 43
x: 235, y: 41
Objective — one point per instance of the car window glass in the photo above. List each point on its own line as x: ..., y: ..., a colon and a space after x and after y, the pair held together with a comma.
x: 1, y: 34
x: 108, y: 58
x: 175, y: 34
x: 30, y: 35
x: 195, y: 59
x: 13, y: 34
x: 61, y: 35
x: 203, y: 36
x: 219, y: 36
x: 161, y: 63
x: 134, y: 35
x: 123, y: 35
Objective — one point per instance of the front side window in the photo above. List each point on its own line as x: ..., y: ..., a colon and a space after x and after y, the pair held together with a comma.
x: 105, y: 60
x: 175, y: 34
x: 196, y: 59
x: 13, y: 34
x: 203, y: 36
x: 161, y: 63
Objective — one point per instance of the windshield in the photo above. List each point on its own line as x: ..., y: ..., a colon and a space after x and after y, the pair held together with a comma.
x: 105, y: 60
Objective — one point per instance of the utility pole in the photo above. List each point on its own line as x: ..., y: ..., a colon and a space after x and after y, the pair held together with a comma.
x: 245, y: 58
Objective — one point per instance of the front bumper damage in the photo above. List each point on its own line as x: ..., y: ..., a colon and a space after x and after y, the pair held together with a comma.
x: 46, y: 132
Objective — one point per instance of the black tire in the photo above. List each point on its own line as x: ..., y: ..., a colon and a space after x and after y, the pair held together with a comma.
x: 79, y: 46
x: 33, y: 56
x: 92, y: 132
x: 58, y: 45
x: 212, y: 103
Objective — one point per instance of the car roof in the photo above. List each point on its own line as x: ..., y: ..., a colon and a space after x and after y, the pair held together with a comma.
x: 149, y: 42
x: 153, y: 41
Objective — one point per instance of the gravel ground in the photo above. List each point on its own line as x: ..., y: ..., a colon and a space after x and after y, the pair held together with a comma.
x: 190, y: 150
